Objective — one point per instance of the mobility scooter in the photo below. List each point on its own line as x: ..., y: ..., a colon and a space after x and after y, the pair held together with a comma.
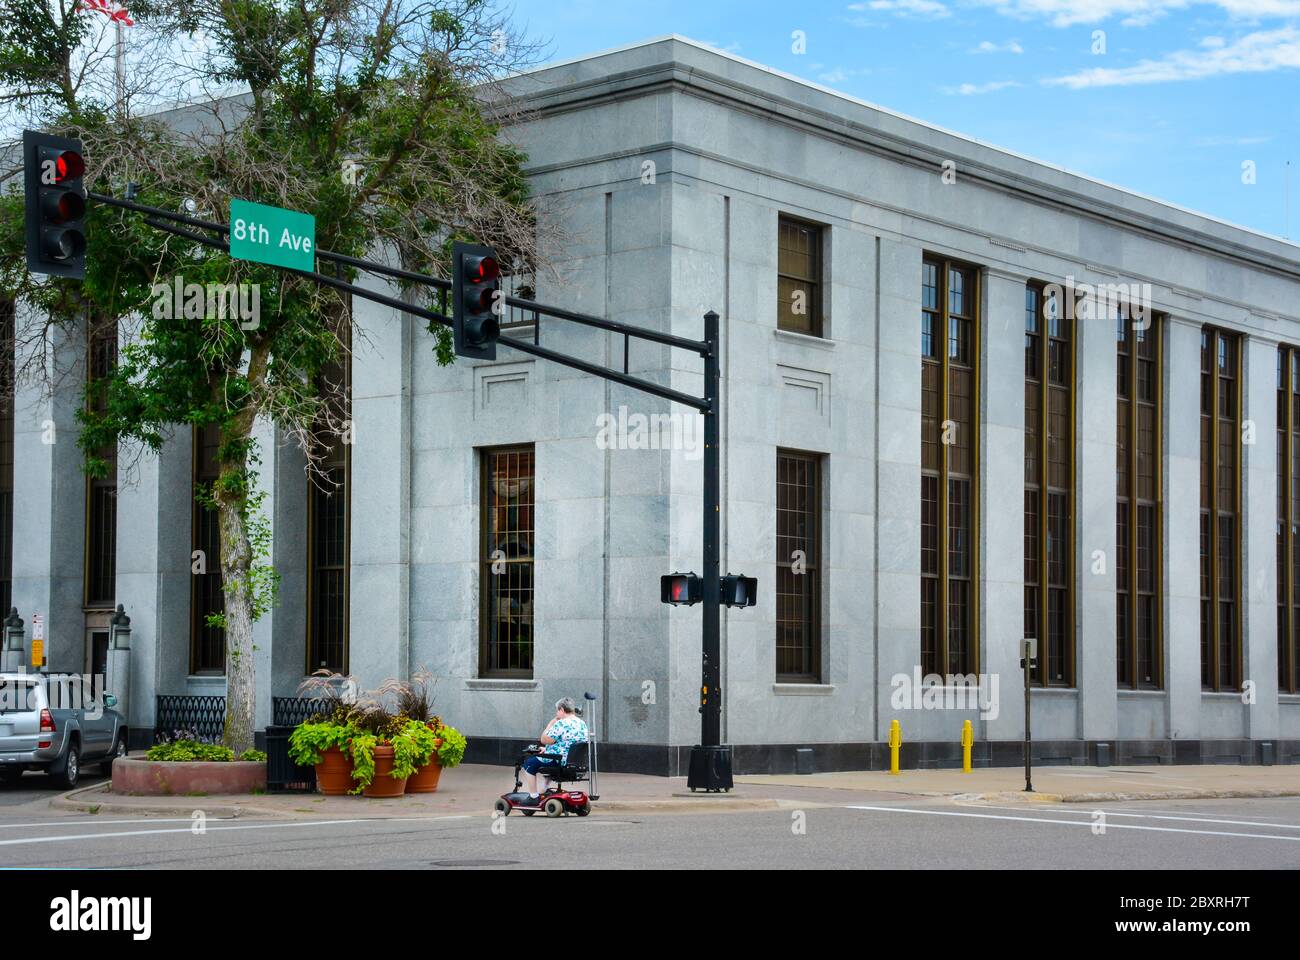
x: 579, y: 766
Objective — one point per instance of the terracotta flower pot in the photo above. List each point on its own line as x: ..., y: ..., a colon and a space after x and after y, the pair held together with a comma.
x: 384, y: 784
x: 334, y: 772
x: 425, y: 779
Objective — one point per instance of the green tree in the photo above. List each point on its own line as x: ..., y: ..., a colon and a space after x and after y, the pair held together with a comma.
x: 382, y: 119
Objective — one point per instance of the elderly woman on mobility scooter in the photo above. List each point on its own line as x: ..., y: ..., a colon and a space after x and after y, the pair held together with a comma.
x: 564, y: 730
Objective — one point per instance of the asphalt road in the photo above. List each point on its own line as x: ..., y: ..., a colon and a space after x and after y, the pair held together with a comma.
x: 1220, y: 834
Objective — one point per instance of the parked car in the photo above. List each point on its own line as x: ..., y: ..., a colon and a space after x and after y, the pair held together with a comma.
x: 80, y: 727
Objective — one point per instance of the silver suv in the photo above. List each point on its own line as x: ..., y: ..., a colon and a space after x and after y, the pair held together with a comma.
x: 54, y: 723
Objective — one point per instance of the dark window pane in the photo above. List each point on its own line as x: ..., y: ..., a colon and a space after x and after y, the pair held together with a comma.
x: 507, y: 561
x: 6, y: 455
x: 207, y: 594
x: 798, y: 633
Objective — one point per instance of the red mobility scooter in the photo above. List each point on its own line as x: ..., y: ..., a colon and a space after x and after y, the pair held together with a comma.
x: 579, y: 767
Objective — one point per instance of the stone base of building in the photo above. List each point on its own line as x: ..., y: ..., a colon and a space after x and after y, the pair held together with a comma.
x: 790, y: 758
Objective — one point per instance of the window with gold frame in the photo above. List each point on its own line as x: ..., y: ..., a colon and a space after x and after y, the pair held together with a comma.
x: 798, y: 566
x: 1288, y: 519
x: 799, y: 276
x: 1220, y: 520
x: 1138, y: 509
x: 507, y: 561
x: 1049, y: 485
x: 949, y: 462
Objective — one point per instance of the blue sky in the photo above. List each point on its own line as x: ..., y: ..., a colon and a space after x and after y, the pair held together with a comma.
x: 1170, y: 100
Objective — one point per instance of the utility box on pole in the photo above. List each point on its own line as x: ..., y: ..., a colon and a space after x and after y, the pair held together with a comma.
x: 118, y: 671
x: 11, y: 656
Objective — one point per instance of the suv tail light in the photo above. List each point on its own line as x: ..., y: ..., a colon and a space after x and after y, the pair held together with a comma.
x: 47, y: 726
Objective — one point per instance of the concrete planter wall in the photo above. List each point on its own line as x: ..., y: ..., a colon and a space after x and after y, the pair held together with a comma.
x: 167, y: 778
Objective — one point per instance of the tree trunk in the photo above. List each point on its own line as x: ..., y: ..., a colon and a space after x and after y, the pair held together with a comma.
x: 241, y: 686
x: 236, y: 565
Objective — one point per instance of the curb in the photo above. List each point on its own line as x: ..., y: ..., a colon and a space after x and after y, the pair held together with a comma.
x: 1122, y: 796
x: 98, y: 799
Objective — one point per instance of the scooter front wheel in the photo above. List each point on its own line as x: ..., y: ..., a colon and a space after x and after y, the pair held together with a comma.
x: 502, y: 807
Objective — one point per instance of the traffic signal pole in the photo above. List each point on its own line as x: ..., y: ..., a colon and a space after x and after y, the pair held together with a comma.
x: 710, y: 761
x: 710, y: 767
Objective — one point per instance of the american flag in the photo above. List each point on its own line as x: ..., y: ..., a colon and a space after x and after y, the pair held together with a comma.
x: 112, y: 11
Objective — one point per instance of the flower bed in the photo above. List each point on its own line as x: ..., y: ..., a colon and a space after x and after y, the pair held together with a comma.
x: 178, y: 778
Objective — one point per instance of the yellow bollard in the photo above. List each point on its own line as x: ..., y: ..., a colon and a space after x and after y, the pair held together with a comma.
x: 967, y: 741
x: 895, y: 741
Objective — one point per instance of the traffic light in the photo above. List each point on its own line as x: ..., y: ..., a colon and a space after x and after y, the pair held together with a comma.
x: 55, y: 205
x: 739, y: 591
x: 681, y: 589
x: 475, y: 289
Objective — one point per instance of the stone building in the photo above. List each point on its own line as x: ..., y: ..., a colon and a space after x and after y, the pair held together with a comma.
x: 967, y: 398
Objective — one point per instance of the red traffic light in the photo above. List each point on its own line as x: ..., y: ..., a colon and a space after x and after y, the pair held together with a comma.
x: 68, y: 166
x: 681, y: 589
x: 54, y: 205
x: 481, y: 269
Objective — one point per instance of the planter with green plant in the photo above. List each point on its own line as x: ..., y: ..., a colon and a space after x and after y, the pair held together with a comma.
x: 384, y: 758
x: 323, y: 742
x: 414, y: 699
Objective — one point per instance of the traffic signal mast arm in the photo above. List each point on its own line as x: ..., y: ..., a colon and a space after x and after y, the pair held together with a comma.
x: 156, y: 217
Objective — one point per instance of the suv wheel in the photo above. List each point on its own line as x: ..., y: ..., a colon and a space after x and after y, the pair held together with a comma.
x: 71, y: 772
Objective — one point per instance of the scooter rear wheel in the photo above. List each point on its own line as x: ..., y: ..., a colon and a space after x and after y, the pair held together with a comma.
x: 583, y: 810
x: 553, y: 807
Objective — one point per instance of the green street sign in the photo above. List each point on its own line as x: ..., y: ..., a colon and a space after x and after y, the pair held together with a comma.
x: 282, y: 238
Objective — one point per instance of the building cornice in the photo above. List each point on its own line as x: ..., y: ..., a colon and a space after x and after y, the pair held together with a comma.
x: 824, y: 113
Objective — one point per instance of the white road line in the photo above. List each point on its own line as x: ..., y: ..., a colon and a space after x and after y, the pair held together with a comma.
x: 1076, y: 823
x: 248, y: 826
x: 1085, y: 809
x: 88, y: 819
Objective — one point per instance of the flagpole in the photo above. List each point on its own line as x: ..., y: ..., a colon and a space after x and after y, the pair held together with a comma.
x: 119, y: 70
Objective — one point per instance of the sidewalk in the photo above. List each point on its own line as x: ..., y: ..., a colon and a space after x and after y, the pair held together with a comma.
x: 470, y: 789
x: 467, y: 790
x: 1061, y: 784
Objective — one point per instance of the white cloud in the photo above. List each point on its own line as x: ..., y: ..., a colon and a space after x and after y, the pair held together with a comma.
x: 988, y: 46
x: 1134, y: 13
x: 1259, y: 52
x: 974, y: 89
x: 923, y: 9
